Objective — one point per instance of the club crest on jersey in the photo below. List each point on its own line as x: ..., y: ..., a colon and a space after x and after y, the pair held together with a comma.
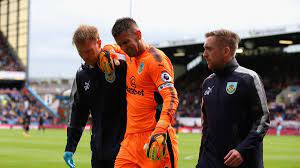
x: 166, y: 77
x: 141, y: 67
x: 231, y: 87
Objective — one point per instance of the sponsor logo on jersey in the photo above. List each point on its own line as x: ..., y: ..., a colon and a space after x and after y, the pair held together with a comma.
x: 135, y: 91
x: 132, y: 82
x: 132, y: 89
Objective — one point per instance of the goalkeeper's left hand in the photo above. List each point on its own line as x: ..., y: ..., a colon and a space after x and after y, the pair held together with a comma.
x: 156, y: 146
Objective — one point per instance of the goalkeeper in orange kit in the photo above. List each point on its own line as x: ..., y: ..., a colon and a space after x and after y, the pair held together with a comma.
x: 150, y: 140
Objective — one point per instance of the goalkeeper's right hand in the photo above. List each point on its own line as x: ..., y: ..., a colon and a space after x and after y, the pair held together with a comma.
x: 113, y: 51
x: 107, y: 65
x: 105, y: 62
x: 108, y: 59
x: 68, y: 157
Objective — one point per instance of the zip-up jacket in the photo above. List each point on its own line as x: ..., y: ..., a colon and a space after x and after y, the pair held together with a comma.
x: 235, y: 116
x: 105, y: 101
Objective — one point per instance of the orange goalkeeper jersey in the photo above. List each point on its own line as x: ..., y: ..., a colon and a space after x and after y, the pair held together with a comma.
x: 150, y: 72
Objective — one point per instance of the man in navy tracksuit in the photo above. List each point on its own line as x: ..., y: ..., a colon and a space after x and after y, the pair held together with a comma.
x: 234, y: 107
x: 102, y: 97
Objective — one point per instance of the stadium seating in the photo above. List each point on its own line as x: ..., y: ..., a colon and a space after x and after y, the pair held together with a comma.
x: 7, y: 61
x: 276, y: 77
x: 14, y: 104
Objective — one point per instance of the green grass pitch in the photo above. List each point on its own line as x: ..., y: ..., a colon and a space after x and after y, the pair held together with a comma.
x: 46, y: 150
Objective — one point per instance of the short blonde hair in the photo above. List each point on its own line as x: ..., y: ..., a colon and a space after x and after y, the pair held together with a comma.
x: 85, y: 33
x: 226, y: 37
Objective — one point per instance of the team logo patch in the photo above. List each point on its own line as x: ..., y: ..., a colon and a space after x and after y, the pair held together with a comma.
x: 231, y: 87
x: 110, y: 77
x: 166, y: 77
x: 86, y: 85
x: 141, y: 67
x: 208, y: 91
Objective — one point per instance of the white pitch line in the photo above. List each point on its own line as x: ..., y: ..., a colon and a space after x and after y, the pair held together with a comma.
x: 188, y: 157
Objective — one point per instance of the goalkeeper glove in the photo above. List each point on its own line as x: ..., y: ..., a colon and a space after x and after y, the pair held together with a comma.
x: 107, y: 65
x: 156, y: 146
x: 68, y: 157
x: 108, y: 58
x: 113, y: 53
x: 105, y: 62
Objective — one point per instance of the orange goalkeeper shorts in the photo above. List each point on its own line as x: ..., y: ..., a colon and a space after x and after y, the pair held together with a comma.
x: 133, y: 155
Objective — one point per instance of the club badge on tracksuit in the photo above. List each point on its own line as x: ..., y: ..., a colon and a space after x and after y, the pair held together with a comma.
x: 231, y: 87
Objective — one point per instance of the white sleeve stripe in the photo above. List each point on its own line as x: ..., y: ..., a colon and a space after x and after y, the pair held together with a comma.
x: 72, y: 97
x: 262, y: 97
x: 260, y: 92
